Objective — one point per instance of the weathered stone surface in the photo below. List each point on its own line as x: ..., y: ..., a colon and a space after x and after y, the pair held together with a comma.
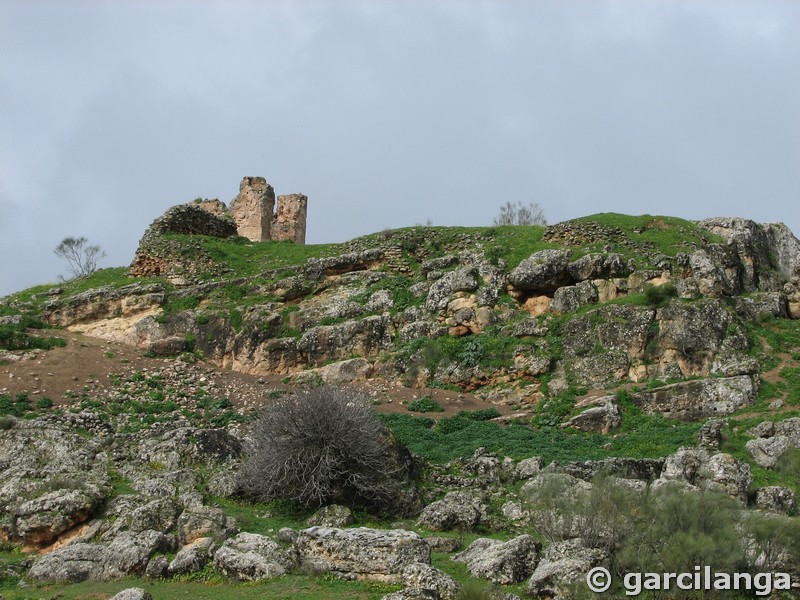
x: 698, y: 399
x: 71, y: 564
x: 443, y: 544
x: 460, y: 280
x: 456, y: 510
x: 710, y: 434
x: 253, y: 208
x: 601, y: 418
x: 776, y: 499
x: 129, y: 552
x: 290, y: 219
x: 366, y: 337
x: 192, y: 557
x: 598, y: 266
x: 424, y: 582
x: 40, y: 521
x: 361, y: 553
x: 331, y: 516
x: 563, y: 564
x: 203, y: 521
x: 251, y: 557
x: 528, y: 467
x: 720, y: 471
x: 343, y: 263
x: 644, y: 469
x: 501, y: 562
x: 51, y: 479
x: 132, y: 594
x: 772, y: 440
x: 104, y: 303
x: 571, y: 298
x: 543, y: 271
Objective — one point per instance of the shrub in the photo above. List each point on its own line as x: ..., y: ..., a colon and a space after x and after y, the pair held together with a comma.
x: 659, y: 295
x: 325, y: 445
x: 425, y: 404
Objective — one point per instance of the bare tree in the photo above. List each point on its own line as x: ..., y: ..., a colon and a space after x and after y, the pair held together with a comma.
x: 325, y: 445
x: 81, y: 257
x: 518, y: 214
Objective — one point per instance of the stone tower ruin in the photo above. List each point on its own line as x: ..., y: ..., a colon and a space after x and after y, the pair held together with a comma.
x: 290, y: 219
x: 253, y: 209
x: 254, y: 212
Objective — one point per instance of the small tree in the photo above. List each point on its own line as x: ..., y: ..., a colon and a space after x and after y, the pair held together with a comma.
x: 519, y: 214
x: 325, y: 445
x: 81, y: 257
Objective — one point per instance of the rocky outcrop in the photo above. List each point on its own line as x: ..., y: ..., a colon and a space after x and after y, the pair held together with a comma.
x: 251, y: 557
x: 698, y: 399
x: 105, y: 303
x: 772, y: 440
x: 366, y: 337
x: 501, y: 562
x: 424, y: 582
x: 542, y: 272
x: 456, y: 510
x: 361, y: 553
x: 720, y: 472
x: 563, y: 565
x: 52, y: 480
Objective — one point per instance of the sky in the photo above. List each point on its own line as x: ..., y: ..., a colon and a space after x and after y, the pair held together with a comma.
x: 389, y: 113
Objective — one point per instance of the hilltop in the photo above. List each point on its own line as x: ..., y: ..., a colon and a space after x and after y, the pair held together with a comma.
x: 656, y: 347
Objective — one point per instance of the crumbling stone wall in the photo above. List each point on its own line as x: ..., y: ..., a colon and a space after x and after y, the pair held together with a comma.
x: 158, y: 255
x: 252, y: 210
x: 290, y: 220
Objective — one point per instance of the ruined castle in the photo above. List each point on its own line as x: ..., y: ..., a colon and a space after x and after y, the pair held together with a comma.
x: 255, y: 215
x: 252, y: 214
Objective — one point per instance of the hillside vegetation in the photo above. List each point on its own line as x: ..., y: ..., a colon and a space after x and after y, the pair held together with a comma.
x: 647, y: 348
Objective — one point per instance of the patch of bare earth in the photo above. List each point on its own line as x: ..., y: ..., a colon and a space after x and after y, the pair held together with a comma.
x: 86, y: 365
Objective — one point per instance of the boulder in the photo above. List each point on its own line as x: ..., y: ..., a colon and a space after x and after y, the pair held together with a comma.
x: 331, y: 516
x: 251, y: 557
x: 571, y: 298
x: 501, y: 562
x: 423, y: 581
x: 528, y: 467
x: 42, y: 520
x: 776, y: 499
x: 132, y: 594
x: 563, y: 565
x: 460, y: 280
x: 129, y: 552
x: 767, y: 451
x: 361, y: 553
x: 365, y: 338
x: 598, y: 266
x: 696, y: 467
x: 710, y: 434
x: 203, y: 521
x: 698, y: 399
x: 72, y: 564
x: 601, y: 418
x: 456, y: 510
x: 192, y: 557
x: 542, y: 272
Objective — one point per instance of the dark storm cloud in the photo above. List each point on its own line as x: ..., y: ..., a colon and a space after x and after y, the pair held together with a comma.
x: 386, y: 114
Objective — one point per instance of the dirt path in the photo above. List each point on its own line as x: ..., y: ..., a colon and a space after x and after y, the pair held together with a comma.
x: 87, y: 364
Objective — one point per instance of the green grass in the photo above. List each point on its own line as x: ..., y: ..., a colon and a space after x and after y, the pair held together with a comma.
x: 669, y: 235
x: 246, y: 258
x: 290, y: 587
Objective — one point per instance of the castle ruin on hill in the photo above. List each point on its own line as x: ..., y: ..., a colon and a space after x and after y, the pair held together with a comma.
x: 254, y: 214
x: 256, y: 218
